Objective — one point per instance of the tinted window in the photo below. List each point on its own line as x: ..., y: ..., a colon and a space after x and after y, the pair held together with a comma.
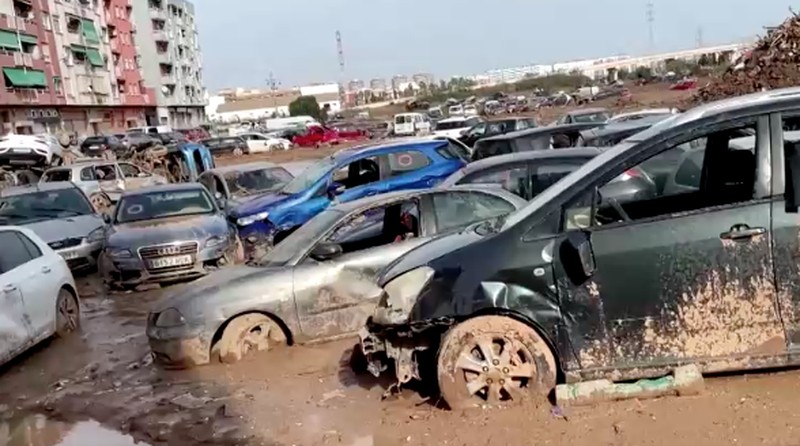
x: 548, y: 175
x: 456, y: 209
x: 690, y: 171
x: 57, y: 175
x: 404, y: 162
x: 33, y: 250
x: 87, y: 174
x: 14, y: 252
x: 511, y: 178
x: 94, y: 140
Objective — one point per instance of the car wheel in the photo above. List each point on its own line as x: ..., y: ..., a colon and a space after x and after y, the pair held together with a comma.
x: 493, y: 360
x: 247, y: 335
x: 238, y: 152
x: 68, y: 315
x: 100, y: 202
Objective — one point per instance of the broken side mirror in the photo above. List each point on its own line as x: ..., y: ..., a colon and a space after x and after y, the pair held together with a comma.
x: 335, y: 189
x: 577, y: 256
x: 326, y: 251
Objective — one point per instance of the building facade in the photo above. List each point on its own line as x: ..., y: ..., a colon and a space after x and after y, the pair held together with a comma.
x: 171, y: 61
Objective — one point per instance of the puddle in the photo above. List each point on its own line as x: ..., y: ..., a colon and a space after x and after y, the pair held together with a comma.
x: 38, y: 430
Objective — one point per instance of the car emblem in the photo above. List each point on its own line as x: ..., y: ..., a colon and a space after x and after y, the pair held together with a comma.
x: 168, y: 250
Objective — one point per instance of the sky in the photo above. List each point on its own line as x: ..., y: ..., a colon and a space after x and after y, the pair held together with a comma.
x: 244, y: 40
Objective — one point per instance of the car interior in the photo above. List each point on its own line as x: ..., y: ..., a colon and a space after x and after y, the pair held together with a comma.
x: 358, y: 173
x: 378, y: 226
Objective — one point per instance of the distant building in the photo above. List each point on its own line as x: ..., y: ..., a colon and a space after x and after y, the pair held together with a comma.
x: 377, y: 84
x: 250, y: 105
x: 355, y: 85
x: 423, y: 78
x: 397, y: 80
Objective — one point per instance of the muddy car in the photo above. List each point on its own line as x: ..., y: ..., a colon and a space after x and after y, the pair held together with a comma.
x: 575, y: 287
x: 165, y: 234
x: 316, y: 284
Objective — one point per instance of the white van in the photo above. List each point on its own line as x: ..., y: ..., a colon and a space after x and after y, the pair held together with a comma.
x: 151, y: 130
x: 411, y: 124
x: 294, y: 121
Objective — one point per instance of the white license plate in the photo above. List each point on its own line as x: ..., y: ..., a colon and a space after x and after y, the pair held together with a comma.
x: 69, y: 255
x: 22, y: 150
x: 167, y: 262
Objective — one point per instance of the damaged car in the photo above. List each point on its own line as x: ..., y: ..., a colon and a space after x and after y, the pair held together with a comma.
x: 165, y: 234
x: 579, y: 286
x: 236, y: 184
x: 318, y: 283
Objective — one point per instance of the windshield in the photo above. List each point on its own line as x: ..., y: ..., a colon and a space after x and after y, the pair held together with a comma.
x: 654, y: 130
x: 309, y: 176
x: 300, y: 239
x: 243, y: 183
x: 57, y: 175
x: 38, y: 206
x: 591, y: 117
x: 451, y: 125
x: 148, y: 206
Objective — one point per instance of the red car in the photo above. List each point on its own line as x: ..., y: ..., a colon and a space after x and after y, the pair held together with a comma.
x: 685, y: 84
x: 317, y: 135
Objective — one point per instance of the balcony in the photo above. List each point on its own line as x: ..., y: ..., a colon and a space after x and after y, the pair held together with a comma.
x: 158, y: 14
x: 18, y: 23
x: 118, y: 71
x: 22, y: 95
x: 160, y: 36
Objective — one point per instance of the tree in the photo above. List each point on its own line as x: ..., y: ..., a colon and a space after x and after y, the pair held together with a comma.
x: 306, y: 106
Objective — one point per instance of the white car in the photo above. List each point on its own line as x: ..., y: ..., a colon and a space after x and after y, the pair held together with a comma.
x: 38, y: 297
x: 29, y: 150
x: 259, y: 142
x: 470, y: 110
x: 455, y: 110
x: 456, y: 126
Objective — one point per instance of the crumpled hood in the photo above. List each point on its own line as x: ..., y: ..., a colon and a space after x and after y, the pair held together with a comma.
x: 70, y: 227
x: 166, y: 230
x: 259, y: 203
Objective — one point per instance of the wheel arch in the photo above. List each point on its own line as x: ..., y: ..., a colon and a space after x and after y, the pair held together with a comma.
x: 71, y: 290
x: 275, y: 318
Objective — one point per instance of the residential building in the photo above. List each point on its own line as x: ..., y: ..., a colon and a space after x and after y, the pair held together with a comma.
x: 355, y: 85
x: 245, y: 106
x: 171, y: 61
x: 377, y: 84
x: 423, y: 78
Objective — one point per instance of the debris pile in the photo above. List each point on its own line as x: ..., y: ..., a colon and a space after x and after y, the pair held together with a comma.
x: 774, y: 62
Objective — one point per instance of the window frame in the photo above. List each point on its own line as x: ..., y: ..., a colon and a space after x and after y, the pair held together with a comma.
x: 14, y: 233
x: 527, y: 165
x: 391, y: 172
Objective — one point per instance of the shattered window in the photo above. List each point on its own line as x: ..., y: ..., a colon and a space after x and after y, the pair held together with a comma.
x: 457, y: 209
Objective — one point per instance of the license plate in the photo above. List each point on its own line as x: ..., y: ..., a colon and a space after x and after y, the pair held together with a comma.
x: 22, y: 150
x: 94, y: 147
x: 69, y: 255
x: 167, y: 262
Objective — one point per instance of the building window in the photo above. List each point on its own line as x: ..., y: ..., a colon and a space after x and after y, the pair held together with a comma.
x: 56, y: 24
x: 46, y: 21
x: 46, y: 53
x: 58, y: 86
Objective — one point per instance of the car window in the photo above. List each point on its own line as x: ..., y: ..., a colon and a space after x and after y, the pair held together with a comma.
x: 153, y: 205
x: 248, y: 182
x: 478, y: 130
x: 514, y: 179
x: 130, y: 170
x: 358, y: 173
x: 378, y: 226
x: 57, y: 175
x: 33, y: 251
x: 455, y: 209
x: 691, y: 169
x: 106, y: 172
x: 14, y: 252
x: 487, y: 149
x: 408, y: 161
x: 546, y: 175
x: 37, y: 206
x: 88, y: 174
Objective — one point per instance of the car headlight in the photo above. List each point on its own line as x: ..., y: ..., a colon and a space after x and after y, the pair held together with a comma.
x: 169, y: 318
x: 249, y: 220
x: 96, y: 236
x: 215, y: 241
x: 402, y: 292
x: 119, y: 253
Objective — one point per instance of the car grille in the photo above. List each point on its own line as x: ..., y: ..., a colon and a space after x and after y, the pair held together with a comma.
x: 149, y: 253
x: 66, y: 243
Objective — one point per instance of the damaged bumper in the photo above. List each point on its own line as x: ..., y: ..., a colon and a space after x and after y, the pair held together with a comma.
x: 178, y: 347
x: 83, y: 256
x: 135, y: 270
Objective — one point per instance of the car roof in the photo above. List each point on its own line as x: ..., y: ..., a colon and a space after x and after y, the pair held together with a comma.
x: 171, y: 187
x: 543, y: 130
x: 259, y: 165
x: 416, y: 143
x: 624, y: 126
x: 530, y: 155
x: 38, y: 187
x: 587, y: 111
x: 363, y: 203
x: 454, y: 119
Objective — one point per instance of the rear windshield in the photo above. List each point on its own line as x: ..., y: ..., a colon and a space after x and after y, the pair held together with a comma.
x: 95, y: 140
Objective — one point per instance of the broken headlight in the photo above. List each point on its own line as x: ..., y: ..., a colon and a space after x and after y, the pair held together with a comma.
x: 169, y: 318
x: 249, y: 220
x: 215, y: 241
x: 403, y: 290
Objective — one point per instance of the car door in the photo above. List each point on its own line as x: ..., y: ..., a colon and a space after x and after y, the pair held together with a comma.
x: 15, y: 325
x: 361, y: 178
x: 40, y: 287
x: 334, y: 297
x: 406, y: 170
x: 110, y: 179
x: 683, y: 277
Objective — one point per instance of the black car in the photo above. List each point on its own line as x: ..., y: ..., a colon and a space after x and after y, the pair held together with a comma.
x: 614, y: 133
x: 170, y: 137
x: 496, y: 127
x: 576, y: 286
x: 140, y: 141
x: 96, y: 146
x: 540, y: 138
x: 226, y: 144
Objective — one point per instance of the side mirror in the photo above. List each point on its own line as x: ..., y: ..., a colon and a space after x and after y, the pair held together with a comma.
x: 577, y: 256
x: 335, y: 189
x: 326, y: 251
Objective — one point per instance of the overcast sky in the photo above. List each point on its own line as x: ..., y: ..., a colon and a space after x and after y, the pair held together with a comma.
x: 244, y: 40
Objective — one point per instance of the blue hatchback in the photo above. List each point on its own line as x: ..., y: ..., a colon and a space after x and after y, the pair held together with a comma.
x: 347, y: 175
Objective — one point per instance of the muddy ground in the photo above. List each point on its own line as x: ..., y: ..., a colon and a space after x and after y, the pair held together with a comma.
x: 308, y: 395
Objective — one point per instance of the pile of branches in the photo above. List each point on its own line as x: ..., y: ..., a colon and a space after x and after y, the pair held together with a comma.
x: 774, y: 62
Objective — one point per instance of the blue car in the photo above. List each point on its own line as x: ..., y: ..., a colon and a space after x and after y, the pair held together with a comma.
x: 344, y: 176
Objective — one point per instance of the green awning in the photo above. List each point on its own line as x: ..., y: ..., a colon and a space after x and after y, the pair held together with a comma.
x: 89, y: 31
x: 26, y: 38
x: 78, y: 48
x: 9, y: 40
x: 22, y: 78
x: 95, y: 58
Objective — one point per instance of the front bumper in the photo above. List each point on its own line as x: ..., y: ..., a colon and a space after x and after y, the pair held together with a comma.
x: 133, y: 271
x: 83, y: 256
x: 182, y: 352
x: 257, y: 239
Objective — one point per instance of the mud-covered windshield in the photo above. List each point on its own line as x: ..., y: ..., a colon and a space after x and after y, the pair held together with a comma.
x: 309, y: 176
x: 249, y: 182
x: 46, y: 205
x: 299, y: 240
x: 149, y: 206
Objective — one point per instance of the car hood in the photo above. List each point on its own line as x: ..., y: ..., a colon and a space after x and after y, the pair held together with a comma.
x: 166, y: 230
x: 428, y: 252
x: 259, y: 203
x: 71, y: 227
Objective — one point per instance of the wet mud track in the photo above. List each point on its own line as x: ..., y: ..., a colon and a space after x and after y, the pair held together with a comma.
x: 309, y: 396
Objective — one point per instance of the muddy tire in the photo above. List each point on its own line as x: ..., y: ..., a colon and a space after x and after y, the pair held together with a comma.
x: 247, y: 335
x: 100, y: 202
x: 238, y: 152
x: 493, y: 360
x: 68, y: 315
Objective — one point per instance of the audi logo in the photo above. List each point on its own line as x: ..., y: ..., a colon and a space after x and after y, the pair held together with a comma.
x: 169, y: 250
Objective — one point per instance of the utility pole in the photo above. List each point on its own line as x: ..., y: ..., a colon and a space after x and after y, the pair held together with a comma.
x: 650, y: 19
x: 273, y: 84
x: 699, y: 38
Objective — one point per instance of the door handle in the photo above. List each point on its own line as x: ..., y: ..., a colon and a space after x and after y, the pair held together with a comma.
x: 10, y: 288
x: 739, y: 232
x: 45, y: 269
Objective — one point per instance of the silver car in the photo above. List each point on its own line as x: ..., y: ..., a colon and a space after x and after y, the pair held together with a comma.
x: 61, y: 215
x: 104, y: 181
x: 318, y: 282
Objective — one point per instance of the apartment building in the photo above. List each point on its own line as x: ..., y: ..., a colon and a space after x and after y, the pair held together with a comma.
x: 171, y: 60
